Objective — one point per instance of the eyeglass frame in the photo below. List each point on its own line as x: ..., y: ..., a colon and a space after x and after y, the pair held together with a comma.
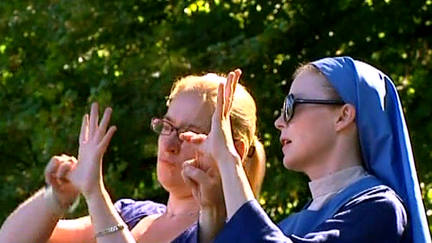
x: 290, y: 102
x: 178, y: 130
x: 173, y: 128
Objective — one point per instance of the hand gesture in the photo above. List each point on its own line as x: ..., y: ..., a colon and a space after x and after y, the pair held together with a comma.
x: 94, y: 138
x: 218, y: 144
x: 202, y: 175
x: 55, y: 176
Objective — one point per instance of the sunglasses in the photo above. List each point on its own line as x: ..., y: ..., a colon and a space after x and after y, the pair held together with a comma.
x: 291, y: 101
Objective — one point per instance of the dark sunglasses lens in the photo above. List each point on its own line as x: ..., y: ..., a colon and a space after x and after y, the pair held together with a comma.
x: 288, y: 108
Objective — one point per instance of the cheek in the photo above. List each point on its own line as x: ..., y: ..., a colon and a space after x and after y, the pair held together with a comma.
x: 311, y: 130
x: 161, y: 142
x: 317, y: 136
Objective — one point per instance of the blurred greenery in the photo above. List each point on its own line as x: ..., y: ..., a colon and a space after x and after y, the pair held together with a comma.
x: 58, y: 56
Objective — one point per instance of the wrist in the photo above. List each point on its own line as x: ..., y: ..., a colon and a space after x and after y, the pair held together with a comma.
x: 96, y: 195
x: 216, y: 213
x: 229, y: 158
x: 94, y: 189
x: 54, y: 204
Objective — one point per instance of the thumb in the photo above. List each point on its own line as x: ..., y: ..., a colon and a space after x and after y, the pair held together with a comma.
x: 197, y: 175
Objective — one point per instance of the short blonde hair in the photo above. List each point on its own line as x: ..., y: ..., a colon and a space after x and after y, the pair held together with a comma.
x: 243, y: 119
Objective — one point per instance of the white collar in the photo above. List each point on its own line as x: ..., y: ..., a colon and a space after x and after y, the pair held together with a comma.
x: 325, y: 188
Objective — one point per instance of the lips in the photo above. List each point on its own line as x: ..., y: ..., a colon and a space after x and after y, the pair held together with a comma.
x: 165, y: 161
x: 284, y: 141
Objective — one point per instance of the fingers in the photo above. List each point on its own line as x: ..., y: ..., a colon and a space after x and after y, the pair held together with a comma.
x: 84, y: 129
x: 191, y: 162
x: 68, y: 157
x: 90, y: 128
x: 103, y: 145
x: 94, y: 117
x: 188, y: 180
x: 196, y: 175
x: 232, y: 80
x: 193, y: 185
x: 57, y: 168
x: 236, y: 80
x: 228, y: 93
x: 219, y: 111
x: 103, y: 124
x: 192, y: 137
x: 63, y: 169
x: 51, y: 169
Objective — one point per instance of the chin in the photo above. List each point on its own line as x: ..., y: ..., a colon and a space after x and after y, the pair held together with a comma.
x: 291, y: 165
x: 170, y: 181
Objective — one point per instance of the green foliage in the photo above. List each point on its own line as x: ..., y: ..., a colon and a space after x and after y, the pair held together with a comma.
x: 57, y: 56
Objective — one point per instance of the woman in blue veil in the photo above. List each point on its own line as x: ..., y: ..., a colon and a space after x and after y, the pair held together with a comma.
x: 343, y: 125
x: 384, y: 137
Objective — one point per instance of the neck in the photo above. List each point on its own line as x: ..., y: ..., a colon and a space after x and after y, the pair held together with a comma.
x: 341, y: 157
x: 182, y: 205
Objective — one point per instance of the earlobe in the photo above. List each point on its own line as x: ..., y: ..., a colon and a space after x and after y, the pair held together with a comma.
x: 347, y: 115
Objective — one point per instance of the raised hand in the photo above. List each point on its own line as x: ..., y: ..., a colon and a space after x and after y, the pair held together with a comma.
x: 55, y: 176
x: 94, y: 138
x: 218, y: 144
x: 202, y: 173
x: 213, y: 152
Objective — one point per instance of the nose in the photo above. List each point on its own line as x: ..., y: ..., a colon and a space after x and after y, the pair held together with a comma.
x: 280, y: 123
x: 172, y: 142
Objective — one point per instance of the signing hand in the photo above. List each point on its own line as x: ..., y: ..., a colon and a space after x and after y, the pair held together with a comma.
x: 202, y: 175
x: 218, y: 144
x: 55, y: 176
x: 93, y: 142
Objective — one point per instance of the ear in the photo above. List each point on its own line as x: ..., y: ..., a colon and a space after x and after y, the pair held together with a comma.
x: 240, y: 146
x: 346, y: 117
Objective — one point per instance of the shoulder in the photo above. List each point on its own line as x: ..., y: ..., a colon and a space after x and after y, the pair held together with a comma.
x: 376, y: 214
x: 378, y: 205
x: 381, y: 195
x: 147, y: 206
x: 133, y: 211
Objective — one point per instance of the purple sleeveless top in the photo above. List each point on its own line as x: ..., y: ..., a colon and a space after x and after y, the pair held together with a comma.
x: 133, y: 211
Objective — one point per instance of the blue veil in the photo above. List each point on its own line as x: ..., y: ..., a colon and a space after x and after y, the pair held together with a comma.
x: 383, y: 134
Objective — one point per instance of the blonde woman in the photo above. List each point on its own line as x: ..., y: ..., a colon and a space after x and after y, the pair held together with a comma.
x: 190, y: 108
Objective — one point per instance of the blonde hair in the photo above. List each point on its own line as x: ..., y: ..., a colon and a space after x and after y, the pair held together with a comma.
x: 243, y: 120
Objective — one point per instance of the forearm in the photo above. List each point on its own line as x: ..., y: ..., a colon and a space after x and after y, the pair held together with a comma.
x: 104, y: 215
x: 211, y: 221
x: 236, y: 187
x: 32, y: 221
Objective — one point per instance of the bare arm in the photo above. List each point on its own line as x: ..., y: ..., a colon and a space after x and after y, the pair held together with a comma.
x: 236, y: 188
x: 211, y: 221
x: 73, y: 230
x: 36, y: 221
x: 43, y: 221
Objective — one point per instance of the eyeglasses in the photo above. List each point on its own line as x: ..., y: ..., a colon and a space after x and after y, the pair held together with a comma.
x: 165, y: 127
x: 291, y: 101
